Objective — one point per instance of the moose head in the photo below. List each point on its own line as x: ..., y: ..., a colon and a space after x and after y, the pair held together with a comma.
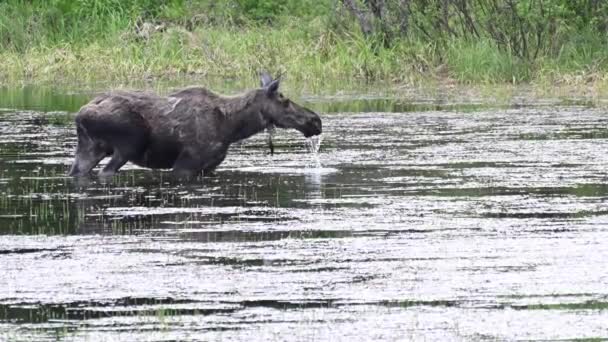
x: 281, y: 112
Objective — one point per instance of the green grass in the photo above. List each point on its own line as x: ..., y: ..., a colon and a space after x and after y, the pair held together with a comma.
x: 62, y: 41
x: 483, y: 62
x: 304, y: 54
x: 309, y: 55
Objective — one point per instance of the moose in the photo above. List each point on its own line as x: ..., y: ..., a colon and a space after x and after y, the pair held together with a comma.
x: 188, y: 131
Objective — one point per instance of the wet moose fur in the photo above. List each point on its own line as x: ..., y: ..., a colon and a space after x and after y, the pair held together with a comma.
x: 189, y: 131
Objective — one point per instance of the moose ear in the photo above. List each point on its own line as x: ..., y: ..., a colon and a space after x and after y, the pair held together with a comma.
x: 265, y: 79
x: 273, y: 87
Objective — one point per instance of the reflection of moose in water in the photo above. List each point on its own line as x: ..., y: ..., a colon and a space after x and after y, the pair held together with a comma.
x: 189, y: 131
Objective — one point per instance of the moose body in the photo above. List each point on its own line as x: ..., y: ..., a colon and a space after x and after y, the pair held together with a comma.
x: 189, y: 131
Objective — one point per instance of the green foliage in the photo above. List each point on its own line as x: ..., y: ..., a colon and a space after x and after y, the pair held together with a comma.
x: 25, y: 24
x: 269, y: 10
x: 469, y: 41
x: 483, y: 62
x: 263, y: 10
x: 526, y: 29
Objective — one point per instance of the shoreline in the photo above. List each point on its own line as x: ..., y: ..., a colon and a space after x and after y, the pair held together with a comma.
x: 366, y: 97
x: 306, y: 56
x: 418, y: 86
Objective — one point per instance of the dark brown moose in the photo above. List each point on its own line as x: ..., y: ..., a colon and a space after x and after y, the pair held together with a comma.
x: 189, y: 131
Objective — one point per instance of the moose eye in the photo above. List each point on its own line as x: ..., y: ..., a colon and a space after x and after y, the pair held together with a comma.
x: 284, y: 101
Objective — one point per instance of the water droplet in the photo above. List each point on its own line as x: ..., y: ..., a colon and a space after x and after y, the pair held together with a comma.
x: 313, y: 144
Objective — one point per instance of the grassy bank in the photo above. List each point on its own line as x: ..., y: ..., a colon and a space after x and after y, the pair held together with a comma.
x: 123, y: 41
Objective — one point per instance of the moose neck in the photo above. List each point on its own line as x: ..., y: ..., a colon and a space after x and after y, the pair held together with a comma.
x: 245, y: 123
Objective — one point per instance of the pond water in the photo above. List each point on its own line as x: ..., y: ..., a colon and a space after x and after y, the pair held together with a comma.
x: 416, y: 220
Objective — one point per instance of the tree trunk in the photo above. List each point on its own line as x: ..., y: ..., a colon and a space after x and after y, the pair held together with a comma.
x: 361, y: 15
x: 404, y: 17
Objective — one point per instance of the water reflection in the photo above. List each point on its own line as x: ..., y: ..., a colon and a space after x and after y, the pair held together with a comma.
x: 53, y: 99
x: 43, y: 99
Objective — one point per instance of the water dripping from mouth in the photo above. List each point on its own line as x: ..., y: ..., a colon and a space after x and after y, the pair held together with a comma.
x: 313, y: 144
x: 314, y: 178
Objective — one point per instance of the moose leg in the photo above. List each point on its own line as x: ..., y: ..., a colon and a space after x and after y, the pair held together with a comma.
x: 115, y: 163
x: 85, y: 161
x: 209, y: 168
x: 126, y: 149
x: 186, y: 166
x: 215, y: 156
x: 88, y: 154
x: 189, y: 164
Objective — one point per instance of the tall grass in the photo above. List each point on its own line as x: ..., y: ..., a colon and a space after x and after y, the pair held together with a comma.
x: 26, y: 24
x: 91, y: 40
x: 305, y: 53
x: 483, y: 62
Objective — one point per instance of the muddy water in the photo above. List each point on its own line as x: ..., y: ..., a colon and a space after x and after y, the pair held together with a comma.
x: 439, y: 223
